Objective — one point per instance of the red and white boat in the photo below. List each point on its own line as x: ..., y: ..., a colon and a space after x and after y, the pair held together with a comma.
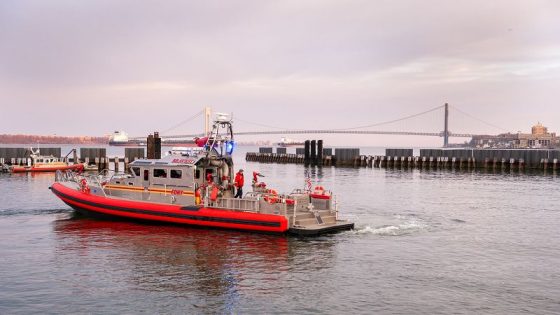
x: 197, y: 190
x: 44, y: 163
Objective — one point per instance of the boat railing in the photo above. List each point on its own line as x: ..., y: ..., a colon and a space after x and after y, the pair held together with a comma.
x: 96, y: 180
x: 68, y: 176
x: 253, y: 202
x: 91, y: 179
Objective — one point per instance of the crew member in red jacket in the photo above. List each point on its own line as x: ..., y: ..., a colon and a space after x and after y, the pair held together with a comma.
x: 239, y: 181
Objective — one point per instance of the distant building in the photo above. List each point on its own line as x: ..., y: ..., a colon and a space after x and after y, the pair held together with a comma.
x: 538, y: 138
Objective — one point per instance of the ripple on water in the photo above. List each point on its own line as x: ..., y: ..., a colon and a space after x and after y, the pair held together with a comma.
x: 405, y: 228
x: 15, y: 212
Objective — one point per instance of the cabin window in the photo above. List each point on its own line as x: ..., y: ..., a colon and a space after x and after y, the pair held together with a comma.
x: 146, y: 174
x: 175, y: 174
x: 159, y: 172
x: 40, y: 160
x: 136, y: 171
x: 197, y: 174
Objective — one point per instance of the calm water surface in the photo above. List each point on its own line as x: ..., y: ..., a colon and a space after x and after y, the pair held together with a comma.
x: 426, y: 242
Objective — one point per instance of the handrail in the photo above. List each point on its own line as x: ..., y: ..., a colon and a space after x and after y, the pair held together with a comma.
x: 70, y: 176
x: 95, y: 178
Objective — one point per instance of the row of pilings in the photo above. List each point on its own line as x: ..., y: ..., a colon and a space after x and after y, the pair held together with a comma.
x: 452, y: 163
x: 285, y: 158
x: 312, y: 153
x: 520, y: 159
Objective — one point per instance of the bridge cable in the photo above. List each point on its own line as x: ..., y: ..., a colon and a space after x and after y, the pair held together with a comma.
x: 183, y: 122
x: 394, y: 120
x: 478, y: 119
x: 258, y: 124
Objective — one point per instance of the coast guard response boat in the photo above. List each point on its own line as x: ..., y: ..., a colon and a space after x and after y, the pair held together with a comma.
x: 196, y: 189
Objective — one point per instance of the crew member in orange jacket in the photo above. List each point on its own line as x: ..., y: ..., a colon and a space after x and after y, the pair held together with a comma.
x: 239, y: 181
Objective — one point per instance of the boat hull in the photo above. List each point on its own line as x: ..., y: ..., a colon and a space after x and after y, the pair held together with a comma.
x: 157, y: 212
x: 23, y: 169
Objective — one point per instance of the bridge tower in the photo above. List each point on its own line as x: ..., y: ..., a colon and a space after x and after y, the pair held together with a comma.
x: 446, y: 127
x: 207, y: 120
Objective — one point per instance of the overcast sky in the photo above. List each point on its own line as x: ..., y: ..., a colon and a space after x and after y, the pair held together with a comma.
x: 91, y: 67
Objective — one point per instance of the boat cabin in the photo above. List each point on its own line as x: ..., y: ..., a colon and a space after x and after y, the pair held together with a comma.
x: 44, y: 159
x: 174, y: 178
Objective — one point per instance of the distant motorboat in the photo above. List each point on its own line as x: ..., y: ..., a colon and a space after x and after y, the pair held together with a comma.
x: 44, y: 163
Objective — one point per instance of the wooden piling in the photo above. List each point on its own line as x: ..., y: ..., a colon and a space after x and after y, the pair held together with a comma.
x: 150, y: 146
x: 157, y: 145
x: 320, y: 152
x: 116, y: 164
x: 126, y: 168
x: 307, y: 153
x: 313, y: 152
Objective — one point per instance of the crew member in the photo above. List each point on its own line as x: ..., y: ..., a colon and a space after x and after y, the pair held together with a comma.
x: 239, y: 181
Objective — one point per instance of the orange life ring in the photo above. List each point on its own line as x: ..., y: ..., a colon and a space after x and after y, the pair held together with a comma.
x: 271, y: 199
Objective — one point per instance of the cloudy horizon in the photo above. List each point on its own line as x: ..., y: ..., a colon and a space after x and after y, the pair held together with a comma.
x: 91, y: 67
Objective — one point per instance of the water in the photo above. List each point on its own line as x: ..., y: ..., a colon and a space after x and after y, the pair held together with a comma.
x: 426, y: 242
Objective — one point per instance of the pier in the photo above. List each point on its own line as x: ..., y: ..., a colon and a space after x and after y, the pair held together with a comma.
x: 96, y: 159
x: 314, y: 154
x: 519, y: 159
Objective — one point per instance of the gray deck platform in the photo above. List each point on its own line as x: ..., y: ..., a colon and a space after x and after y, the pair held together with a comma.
x: 317, y: 229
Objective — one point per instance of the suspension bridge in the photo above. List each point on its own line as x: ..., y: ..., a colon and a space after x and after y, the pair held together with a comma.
x: 357, y: 130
